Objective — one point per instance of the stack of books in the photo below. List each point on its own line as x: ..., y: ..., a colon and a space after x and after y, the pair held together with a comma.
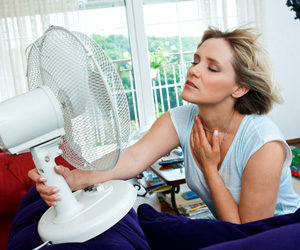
x: 194, y: 210
x: 152, y: 183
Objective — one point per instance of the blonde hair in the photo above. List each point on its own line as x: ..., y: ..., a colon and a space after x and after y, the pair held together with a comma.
x: 252, y: 68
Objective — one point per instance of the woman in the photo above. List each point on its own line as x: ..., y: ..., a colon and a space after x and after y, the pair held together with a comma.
x: 236, y: 159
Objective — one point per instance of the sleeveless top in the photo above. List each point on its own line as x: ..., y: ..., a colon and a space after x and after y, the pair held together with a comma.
x: 254, y: 131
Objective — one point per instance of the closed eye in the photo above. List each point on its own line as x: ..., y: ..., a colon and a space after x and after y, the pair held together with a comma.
x: 195, y: 62
x: 213, y: 69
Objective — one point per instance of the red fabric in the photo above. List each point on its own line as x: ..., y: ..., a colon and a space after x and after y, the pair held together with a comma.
x: 5, y: 224
x: 14, y: 183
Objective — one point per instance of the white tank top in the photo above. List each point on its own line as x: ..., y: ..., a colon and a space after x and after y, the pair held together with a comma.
x: 253, y: 132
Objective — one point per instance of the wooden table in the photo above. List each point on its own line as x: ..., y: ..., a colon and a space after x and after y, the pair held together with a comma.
x: 172, y: 177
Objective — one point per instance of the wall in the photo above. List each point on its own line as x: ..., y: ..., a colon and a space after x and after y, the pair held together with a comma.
x: 282, y: 40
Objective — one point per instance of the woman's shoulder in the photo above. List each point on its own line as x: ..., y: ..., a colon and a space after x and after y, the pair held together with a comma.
x: 260, y: 126
x: 256, y: 131
x: 182, y: 118
x: 184, y: 108
x: 183, y: 112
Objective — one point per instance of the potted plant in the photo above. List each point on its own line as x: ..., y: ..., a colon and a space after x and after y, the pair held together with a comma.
x: 159, y: 59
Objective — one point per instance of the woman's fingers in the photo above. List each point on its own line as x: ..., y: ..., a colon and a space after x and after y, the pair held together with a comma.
x: 47, y: 193
x: 194, y: 142
x: 201, y: 133
x: 46, y: 190
x: 35, y: 176
x: 62, y: 170
x: 51, y: 200
x: 196, y: 136
x: 192, y: 139
x: 216, y: 142
x: 205, y: 154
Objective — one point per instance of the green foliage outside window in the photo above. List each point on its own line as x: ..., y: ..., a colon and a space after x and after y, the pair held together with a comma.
x: 161, y: 51
x: 161, y: 58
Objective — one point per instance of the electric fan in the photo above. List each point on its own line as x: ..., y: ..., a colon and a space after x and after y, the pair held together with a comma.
x: 77, y: 108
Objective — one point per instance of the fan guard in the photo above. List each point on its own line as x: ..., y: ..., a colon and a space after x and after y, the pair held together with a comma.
x: 91, y: 95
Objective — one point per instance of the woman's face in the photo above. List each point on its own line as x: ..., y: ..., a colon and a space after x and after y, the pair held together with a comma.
x: 211, y: 78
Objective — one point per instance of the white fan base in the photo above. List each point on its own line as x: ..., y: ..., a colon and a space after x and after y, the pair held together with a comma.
x: 99, y: 211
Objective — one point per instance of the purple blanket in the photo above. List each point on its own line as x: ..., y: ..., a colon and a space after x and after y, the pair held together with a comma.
x: 276, y: 233
x: 163, y: 231
x: 126, y: 234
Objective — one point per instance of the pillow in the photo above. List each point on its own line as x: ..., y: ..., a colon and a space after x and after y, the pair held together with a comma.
x: 183, y: 233
x: 285, y: 237
x: 14, y: 180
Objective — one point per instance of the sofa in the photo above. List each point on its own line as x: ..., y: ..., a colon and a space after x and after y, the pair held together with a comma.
x: 148, y: 229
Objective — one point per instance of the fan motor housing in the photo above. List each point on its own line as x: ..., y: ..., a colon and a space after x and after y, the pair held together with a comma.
x: 30, y: 119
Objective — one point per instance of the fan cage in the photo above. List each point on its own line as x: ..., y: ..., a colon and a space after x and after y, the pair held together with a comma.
x: 90, y: 93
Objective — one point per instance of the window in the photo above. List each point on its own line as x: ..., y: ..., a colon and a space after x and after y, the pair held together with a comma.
x: 151, y: 42
x: 106, y: 23
x: 173, y: 39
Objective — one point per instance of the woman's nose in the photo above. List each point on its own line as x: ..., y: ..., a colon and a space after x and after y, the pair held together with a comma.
x: 195, y: 70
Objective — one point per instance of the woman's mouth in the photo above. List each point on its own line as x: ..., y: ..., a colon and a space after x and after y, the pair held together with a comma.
x: 190, y: 84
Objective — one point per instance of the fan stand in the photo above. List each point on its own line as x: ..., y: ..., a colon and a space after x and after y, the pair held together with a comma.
x: 82, y: 215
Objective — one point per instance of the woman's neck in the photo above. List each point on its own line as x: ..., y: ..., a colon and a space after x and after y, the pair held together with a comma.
x: 214, y: 118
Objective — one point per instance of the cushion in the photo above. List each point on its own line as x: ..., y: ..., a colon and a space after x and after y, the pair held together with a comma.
x: 14, y: 180
x: 183, y: 233
x: 284, y: 237
x: 126, y: 234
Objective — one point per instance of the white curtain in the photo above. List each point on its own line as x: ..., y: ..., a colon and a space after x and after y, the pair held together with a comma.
x: 250, y: 12
x: 226, y: 14
x: 21, y: 23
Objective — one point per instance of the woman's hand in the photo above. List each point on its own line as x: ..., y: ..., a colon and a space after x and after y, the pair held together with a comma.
x: 50, y: 193
x: 206, y: 156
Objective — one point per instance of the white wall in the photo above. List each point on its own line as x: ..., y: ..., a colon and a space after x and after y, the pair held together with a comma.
x: 282, y: 41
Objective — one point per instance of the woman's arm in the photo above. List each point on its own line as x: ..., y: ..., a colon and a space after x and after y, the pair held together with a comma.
x: 260, y: 184
x: 260, y: 179
x: 160, y: 140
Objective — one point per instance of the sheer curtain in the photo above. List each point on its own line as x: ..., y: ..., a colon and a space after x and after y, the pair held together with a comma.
x: 226, y: 14
x: 251, y: 12
x: 22, y: 22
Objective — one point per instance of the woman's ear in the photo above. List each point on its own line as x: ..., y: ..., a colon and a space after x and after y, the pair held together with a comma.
x: 239, y: 91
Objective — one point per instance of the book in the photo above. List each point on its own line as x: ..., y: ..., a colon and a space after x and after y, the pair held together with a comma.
x: 193, y: 208
x: 160, y: 189
x: 150, y: 181
x: 204, y: 214
x: 150, y: 184
x: 180, y: 201
x: 189, y: 195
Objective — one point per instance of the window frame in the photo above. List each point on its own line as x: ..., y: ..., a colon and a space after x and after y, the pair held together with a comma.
x: 140, y: 61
